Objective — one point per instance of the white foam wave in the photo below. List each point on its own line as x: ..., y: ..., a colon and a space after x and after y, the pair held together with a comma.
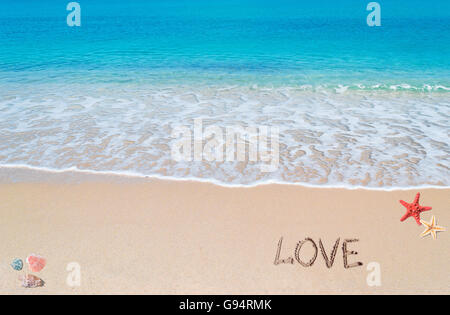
x: 341, y: 138
x: 210, y: 181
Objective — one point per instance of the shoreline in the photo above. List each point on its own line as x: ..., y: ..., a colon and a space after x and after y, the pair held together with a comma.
x: 26, y: 173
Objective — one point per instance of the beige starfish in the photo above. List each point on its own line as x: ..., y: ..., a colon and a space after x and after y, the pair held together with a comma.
x: 432, y: 228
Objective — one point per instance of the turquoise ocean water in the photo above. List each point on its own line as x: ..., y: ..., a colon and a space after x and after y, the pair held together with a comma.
x: 235, y: 41
x: 356, y: 105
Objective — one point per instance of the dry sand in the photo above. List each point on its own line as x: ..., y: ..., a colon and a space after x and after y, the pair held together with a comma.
x: 155, y: 236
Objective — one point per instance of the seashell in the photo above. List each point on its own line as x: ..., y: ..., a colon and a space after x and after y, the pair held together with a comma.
x: 31, y: 281
x: 17, y: 264
x: 36, y: 262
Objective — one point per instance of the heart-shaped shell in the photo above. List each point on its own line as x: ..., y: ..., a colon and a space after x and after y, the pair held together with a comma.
x: 31, y: 281
x: 36, y: 263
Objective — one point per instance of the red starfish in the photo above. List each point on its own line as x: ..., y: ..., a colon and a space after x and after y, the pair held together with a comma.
x: 413, y: 209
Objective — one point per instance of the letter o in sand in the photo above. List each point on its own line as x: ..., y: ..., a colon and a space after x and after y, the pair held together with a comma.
x: 299, y: 247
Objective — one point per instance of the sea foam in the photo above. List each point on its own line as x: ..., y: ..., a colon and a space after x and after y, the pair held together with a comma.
x: 342, y: 136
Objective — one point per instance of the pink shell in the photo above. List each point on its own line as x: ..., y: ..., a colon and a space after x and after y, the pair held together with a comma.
x: 36, y: 263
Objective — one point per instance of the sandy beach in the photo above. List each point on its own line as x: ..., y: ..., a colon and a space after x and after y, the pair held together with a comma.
x: 177, y: 237
x: 236, y: 147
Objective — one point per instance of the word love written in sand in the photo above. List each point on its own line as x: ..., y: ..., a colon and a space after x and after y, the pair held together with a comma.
x: 329, y: 259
